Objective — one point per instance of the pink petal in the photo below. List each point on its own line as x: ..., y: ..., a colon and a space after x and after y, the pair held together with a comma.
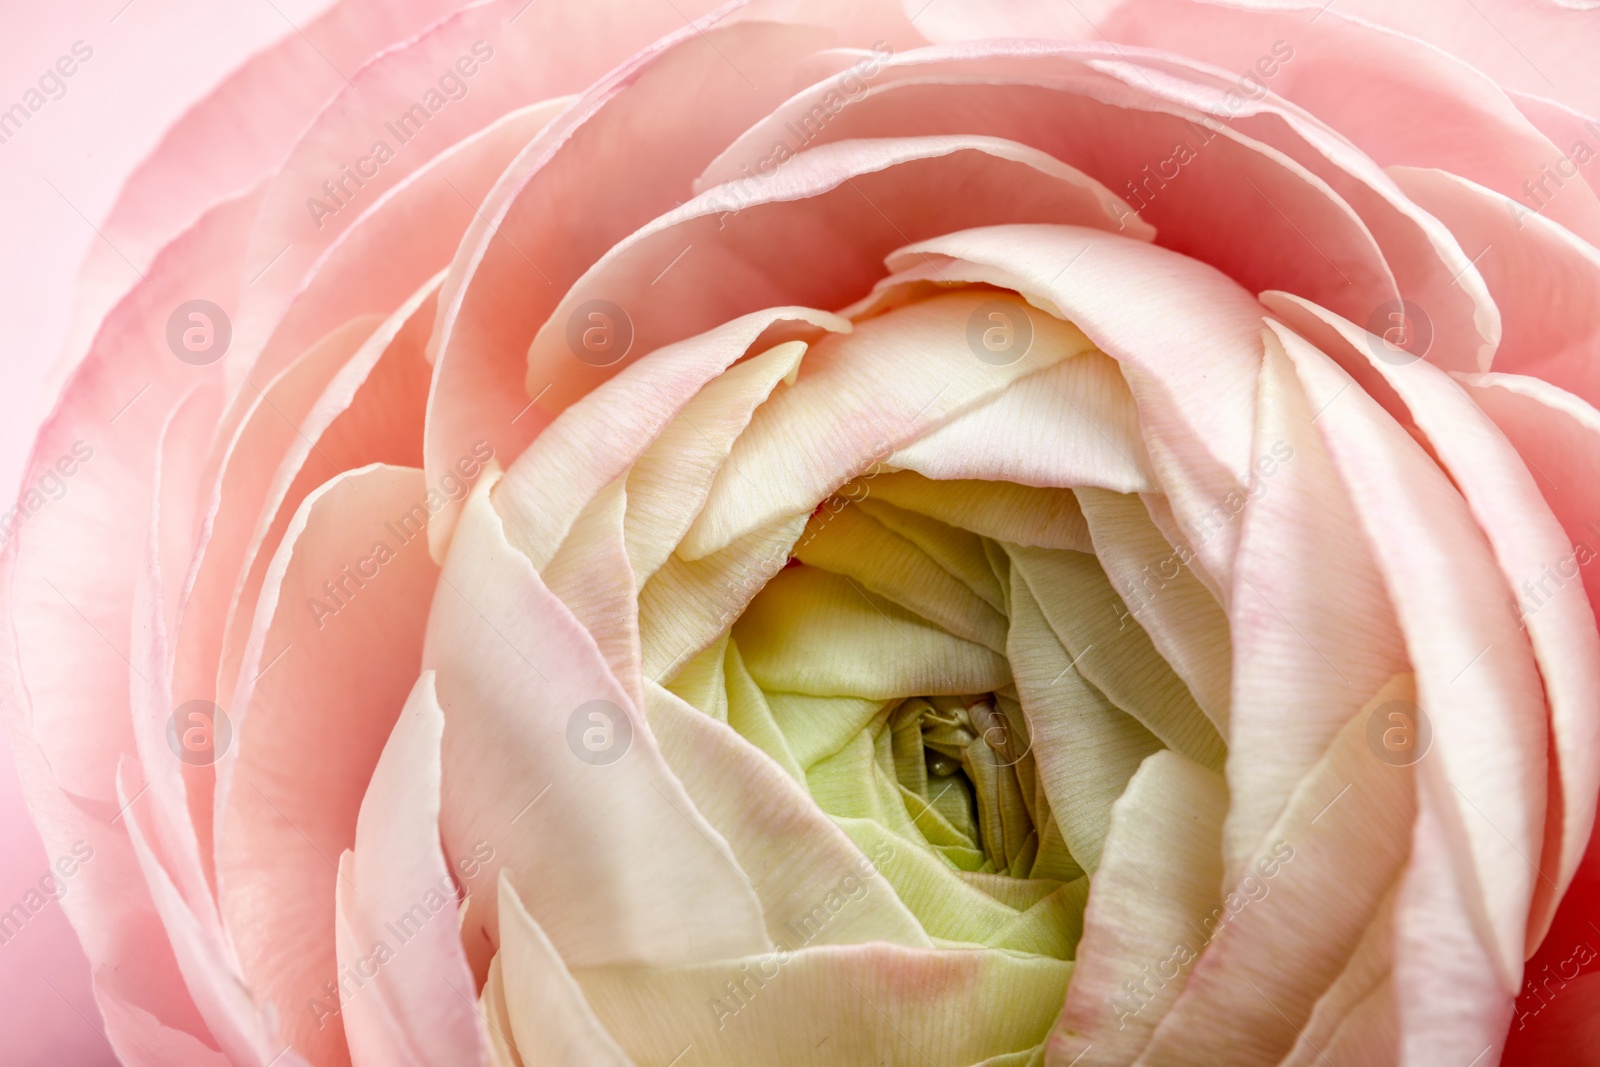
x: 324, y: 676
x: 371, y: 411
x: 141, y: 993
x: 625, y: 157
x: 73, y: 566
x: 250, y: 461
x: 1440, y: 943
x: 1541, y: 276
x: 1476, y: 678
x: 398, y: 240
x: 517, y: 54
x: 1572, y: 132
x: 1550, y: 56
x: 1349, y: 74
x: 835, y: 211
x: 241, y: 129
x: 210, y: 969
x: 1313, y: 627
x: 396, y: 890
x: 1509, y: 505
x: 1252, y: 191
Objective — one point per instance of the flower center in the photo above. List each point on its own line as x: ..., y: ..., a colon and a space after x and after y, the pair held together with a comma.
x: 965, y: 760
x: 949, y: 668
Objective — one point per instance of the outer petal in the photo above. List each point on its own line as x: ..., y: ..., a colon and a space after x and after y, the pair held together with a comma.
x: 324, y: 676
x: 628, y: 159
x: 1249, y: 187
x: 1470, y: 882
x: 210, y: 969
x: 1542, y: 277
x: 1508, y: 503
x: 78, y: 706
x: 501, y: 53
x: 396, y: 890
x: 370, y: 412
x: 241, y: 129
x: 400, y: 239
x: 1313, y: 628
x: 71, y: 572
x: 233, y: 501
x: 1292, y: 921
x: 1349, y: 73
x: 1548, y: 57
x: 835, y: 211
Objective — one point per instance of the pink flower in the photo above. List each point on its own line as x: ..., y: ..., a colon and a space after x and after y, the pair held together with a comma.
x: 991, y: 533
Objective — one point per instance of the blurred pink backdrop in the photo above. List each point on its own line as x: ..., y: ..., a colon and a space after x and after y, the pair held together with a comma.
x: 59, y: 175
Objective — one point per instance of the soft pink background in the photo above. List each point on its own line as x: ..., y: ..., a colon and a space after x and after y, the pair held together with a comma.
x: 152, y: 58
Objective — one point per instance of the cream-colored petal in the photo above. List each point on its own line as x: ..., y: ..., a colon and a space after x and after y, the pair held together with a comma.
x: 956, y: 550
x: 1020, y: 514
x: 851, y: 543
x: 687, y: 605
x: 1160, y: 876
x: 597, y: 439
x: 811, y: 631
x: 592, y: 574
x: 1069, y: 425
x: 1113, y: 653
x: 819, y: 1007
x: 1159, y: 587
x: 497, y: 1019
x: 669, y: 483
x: 750, y: 715
x: 644, y: 878
x: 952, y: 910
x: 860, y: 396
x: 702, y: 682
x: 1187, y: 337
x: 818, y: 726
x: 551, y: 1020
x: 794, y: 854
x: 1086, y: 749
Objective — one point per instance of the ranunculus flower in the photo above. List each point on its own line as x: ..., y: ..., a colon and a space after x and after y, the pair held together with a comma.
x: 818, y: 533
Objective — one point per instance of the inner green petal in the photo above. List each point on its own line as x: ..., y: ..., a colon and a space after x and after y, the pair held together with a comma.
x: 882, y: 667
